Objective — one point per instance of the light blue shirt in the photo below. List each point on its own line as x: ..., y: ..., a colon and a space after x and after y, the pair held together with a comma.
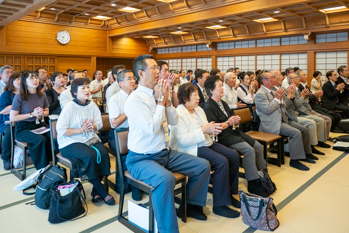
x: 145, y: 117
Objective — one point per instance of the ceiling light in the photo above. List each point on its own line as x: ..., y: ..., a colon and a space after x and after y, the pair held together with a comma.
x: 264, y: 20
x: 86, y: 13
x: 101, y: 17
x: 129, y: 9
x: 113, y: 4
x: 179, y: 27
x: 334, y: 9
x: 179, y: 32
x: 216, y: 27
x: 220, y: 20
x: 276, y: 12
x: 150, y: 37
x: 42, y: 8
x: 53, y: 9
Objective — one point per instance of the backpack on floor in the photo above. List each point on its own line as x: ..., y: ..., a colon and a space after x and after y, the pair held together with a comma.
x: 55, y: 176
x: 341, y: 143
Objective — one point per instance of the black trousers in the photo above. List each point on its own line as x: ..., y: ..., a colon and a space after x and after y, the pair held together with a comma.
x: 6, y: 143
x: 343, y: 108
x: 39, y: 145
x: 224, y: 162
x: 335, y: 117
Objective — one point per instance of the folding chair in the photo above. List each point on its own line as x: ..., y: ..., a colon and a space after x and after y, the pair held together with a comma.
x: 264, y: 138
x: 121, y: 150
x: 22, y: 146
x: 58, y: 158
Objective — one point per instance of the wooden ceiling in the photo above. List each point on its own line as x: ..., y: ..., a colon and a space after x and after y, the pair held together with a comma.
x: 158, y: 19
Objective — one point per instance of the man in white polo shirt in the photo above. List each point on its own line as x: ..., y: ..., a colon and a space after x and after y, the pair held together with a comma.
x: 97, y: 87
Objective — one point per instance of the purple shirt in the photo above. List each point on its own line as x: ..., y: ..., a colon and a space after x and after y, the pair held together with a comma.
x: 28, y: 106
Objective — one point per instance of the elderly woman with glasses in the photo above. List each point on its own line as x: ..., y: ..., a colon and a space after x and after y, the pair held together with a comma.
x: 192, y: 135
x: 218, y: 111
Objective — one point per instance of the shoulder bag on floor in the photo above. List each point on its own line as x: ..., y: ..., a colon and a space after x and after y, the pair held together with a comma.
x: 68, y: 205
x: 258, y: 212
x: 56, y: 175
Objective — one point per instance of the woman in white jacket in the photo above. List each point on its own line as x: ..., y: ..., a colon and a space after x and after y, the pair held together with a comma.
x: 192, y: 135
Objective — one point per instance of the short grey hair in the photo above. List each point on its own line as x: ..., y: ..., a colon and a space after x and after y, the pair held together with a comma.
x: 264, y: 75
x: 227, y: 75
x: 2, y: 69
x: 121, y: 75
x: 298, y: 73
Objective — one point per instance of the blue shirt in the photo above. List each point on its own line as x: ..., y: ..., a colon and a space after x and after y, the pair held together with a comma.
x: 6, y: 99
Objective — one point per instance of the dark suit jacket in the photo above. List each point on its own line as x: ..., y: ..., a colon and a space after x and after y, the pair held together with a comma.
x: 343, y: 97
x: 228, y: 136
x: 330, y: 97
x: 313, y: 101
x: 202, y: 99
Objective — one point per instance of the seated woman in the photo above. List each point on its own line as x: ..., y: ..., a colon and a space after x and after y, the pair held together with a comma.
x: 192, y: 135
x: 77, y: 124
x: 29, y: 108
x: 54, y: 92
x: 6, y: 99
x: 245, y: 91
x: 316, y: 82
x: 218, y: 111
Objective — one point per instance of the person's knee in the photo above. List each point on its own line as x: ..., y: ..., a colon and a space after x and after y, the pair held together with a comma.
x: 168, y: 180
x: 221, y: 163
x: 203, y: 166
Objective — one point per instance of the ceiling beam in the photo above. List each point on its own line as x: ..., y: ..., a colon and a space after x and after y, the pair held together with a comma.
x: 219, y: 12
x: 26, y: 11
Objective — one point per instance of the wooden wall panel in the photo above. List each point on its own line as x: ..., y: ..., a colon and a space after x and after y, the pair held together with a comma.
x: 105, y: 64
x: 39, y: 37
x: 128, y: 47
x: 79, y: 63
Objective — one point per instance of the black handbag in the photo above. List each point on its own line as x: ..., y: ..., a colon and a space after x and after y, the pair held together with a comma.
x: 68, y: 207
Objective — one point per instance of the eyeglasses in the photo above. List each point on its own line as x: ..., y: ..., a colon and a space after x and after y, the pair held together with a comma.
x: 130, y: 78
x: 152, y: 68
x: 9, y: 72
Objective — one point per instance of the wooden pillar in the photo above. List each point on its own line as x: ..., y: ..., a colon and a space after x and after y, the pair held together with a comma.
x: 2, y: 37
x: 310, y: 66
x: 214, y: 62
x: 109, y: 45
x: 93, y: 65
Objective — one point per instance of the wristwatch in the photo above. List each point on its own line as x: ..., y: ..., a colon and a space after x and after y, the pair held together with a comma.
x: 227, y: 123
x: 30, y: 115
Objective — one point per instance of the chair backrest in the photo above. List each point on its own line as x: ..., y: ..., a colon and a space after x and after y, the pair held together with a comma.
x: 244, y: 113
x: 53, y: 138
x: 121, y: 149
x: 106, y: 123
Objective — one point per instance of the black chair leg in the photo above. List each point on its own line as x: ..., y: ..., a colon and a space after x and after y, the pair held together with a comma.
x: 151, y: 214
x: 184, y: 201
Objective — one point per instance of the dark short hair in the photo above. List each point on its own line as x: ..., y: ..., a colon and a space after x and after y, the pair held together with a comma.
x: 161, y: 63
x: 249, y: 73
x: 121, y: 75
x: 236, y: 68
x: 295, y: 68
x: 70, y: 70
x: 24, y: 90
x: 54, y: 75
x: 258, y: 72
x: 329, y: 73
x: 283, y: 73
x: 341, y: 69
x: 184, y: 92
x: 189, y: 71
x: 116, y: 68
x: 215, y: 71
x: 84, y: 70
x: 10, y: 86
x: 288, y: 70
x: 210, y: 83
x: 199, y: 73
x: 230, y: 70
x: 241, y: 76
x: 78, y: 82
x: 140, y: 64
x: 40, y: 68
x: 316, y: 73
x: 96, y: 72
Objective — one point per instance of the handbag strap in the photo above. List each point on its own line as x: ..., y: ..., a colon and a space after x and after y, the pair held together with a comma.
x: 99, y: 157
x: 84, y: 201
x: 266, y: 213
x: 30, y: 193
x: 248, y: 208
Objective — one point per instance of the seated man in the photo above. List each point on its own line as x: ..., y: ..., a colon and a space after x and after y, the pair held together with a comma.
x: 306, y: 126
x: 149, y: 159
x: 230, y: 95
x: 66, y: 95
x: 343, y: 78
x: 200, y: 78
x: 165, y: 74
x: 114, y: 88
x: 182, y: 77
x: 301, y: 102
x: 274, y: 120
x: 332, y: 92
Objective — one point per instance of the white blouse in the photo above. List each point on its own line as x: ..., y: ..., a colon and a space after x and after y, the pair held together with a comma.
x: 248, y: 99
x: 72, y: 117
